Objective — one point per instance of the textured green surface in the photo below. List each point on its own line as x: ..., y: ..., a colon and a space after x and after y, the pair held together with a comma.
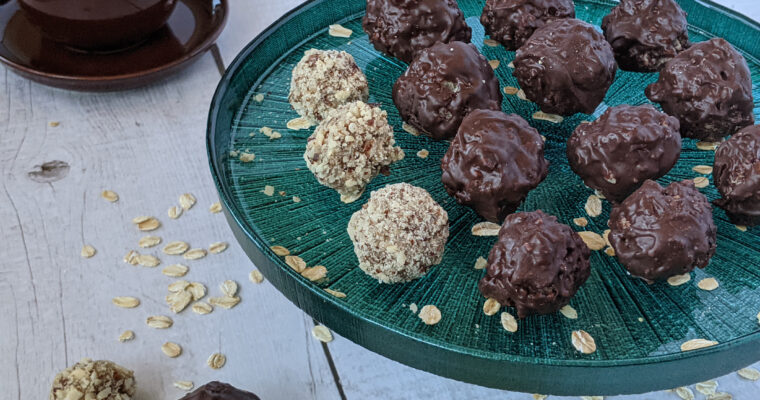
x: 638, y: 328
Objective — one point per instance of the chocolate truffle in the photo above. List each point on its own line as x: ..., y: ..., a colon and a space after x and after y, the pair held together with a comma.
x: 660, y: 232
x: 401, y: 28
x: 219, y: 391
x: 708, y: 88
x: 324, y: 80
x: 565, y: 67
x: 737, y: 176
x: 399, y: 233
x: 88, y: 379
x: 536, y: 265
x: 624, y: 147
x: 645, y: 34
x: 350, y: 147
x: 511, y: 22
x: 442, y: 85
x: 493, y: 162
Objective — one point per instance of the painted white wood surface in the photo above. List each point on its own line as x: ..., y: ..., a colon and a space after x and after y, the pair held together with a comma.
x: 148, y: 146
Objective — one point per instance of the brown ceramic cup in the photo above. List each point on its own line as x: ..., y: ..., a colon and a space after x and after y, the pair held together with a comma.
x: 98, y: 25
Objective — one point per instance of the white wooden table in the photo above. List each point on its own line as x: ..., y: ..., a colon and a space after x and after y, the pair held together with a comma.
x: 148, y: 145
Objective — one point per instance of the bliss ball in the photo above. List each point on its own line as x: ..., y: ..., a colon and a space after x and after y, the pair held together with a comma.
x: 536, y: 265
x: 350, y: 147
x: 87, y: 379
x: 324, y: 80
x: 219, y: 391
x: 660, y: 232
x: 512, y: 22
x: 566, y: 67
x: 708, y: 88
x: 493, y: 162
x: 443, y: 84
x: 399, y: 233
x: 401, y: 28
x: 645, y: 34
x: 624, y: 147
x: 736, y: 174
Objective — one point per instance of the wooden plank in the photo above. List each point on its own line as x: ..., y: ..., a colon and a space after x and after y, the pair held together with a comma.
x: 148, y: 145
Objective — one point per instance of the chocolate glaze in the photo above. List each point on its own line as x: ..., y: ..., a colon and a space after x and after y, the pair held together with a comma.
x: 660, y: 232
x: 624, y: 147
x: 645, y: 34
x: 708, y: 88
x: 493, y: 162
x: 401, y: 28
x: 219, y: 391
x: 511, y: 22
x: 565, y: 67
x: 536, y: 265
x: 442, y: 85
x: 737, y: 176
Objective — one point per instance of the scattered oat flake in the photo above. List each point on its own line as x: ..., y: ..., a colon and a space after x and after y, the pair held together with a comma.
x: 707, y: 146
x: 174, y: 212
x: 247, y: 157
x: 423, y: 153
x: 703, y: 169
x: 494, y: 63
x: 197, y: 289
x: 606, y: 236
x: 255, y: 276
x: 609, y: 251
x: 720, y: 396
x: 126, y: 336
x: 216, y: 360
x: 178, y: 286
x: 708, y: 284
x: 481, y: 263
x: 131, y: 257
x: 299, y: 123
x: 53, y: 124
x: 270, y: 133
x: 678, y: 280
x: 749, y: 373
x: 87, y: 251
x: 491, y: 306
x: 215, y: 208
x: 593, y: 206
x: 175, y: 270
x: 685, y: 393
x: 194, y: 254
x: 148, y: 260
x: 521, y: 95
x: 742, y: 228
x: 224, y: 301
x: 695, y: 344
x: 234, y: 153
x: 268, y: 190
x: 510, y: 90
x: 110, y: 195
x: 410, y: 129
x: 508, y: 322
x: 430, y: 314
x: 187, y: 201
x: 315, y: 273
x: 146, y: 223
x: 179, y: 300
x: 295, y: 262
x: 553, y: 118
x: 321, y: 333
x: 258, y: 98
x: 701, y: 182
x: 229, y: 288
x: 202, y: 308
x: 583, y: 342
x: 171, y: 349
x: 537, y: 396
x: 593, y: 240
x: 176, y: 248
x: 511, y: 64
x: 485, y: 229
x: 184, y: 385
x: 413, y: 308
x: 125, y: 302
x: 342, y: 295
x: 159, y: 322
x: 279, y: 250
x: 581, y: 221
x: 592, y: 397
x: 490, y: 42
x: 758, y: 318
x: 569, y: 312
x: 218, y: 247
x: 148, y: 241
x: 707, y: 387
x: 339, y: 31
x: 296, y: 199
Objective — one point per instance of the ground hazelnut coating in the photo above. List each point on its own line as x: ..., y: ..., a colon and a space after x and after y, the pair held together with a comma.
x: 566, y: 67
x: 624, y: 147
x: 399, y: 233
x: 512, y: 22
x: 91, y: 380
x: 219, y: 391
x: 708, y: 88
x: 401, y: 28
x: 324, y: 80
x: 443, y: 84
x: 660, y: 232
x: 645, y: 34
x: 493, y: 162
x: 536, y: 265
x: 736, y: 174
x: 349, y: 148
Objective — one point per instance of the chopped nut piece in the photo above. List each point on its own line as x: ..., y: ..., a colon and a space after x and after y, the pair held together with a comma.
x: 553, y: 118
x: 87, y: 251
x: 695, y: 344
x: 315, y: 273
x: 229, y: 288
x: 678, y: 280
x: 583, y: 342
x: 521, y: 94
x: 92, y: 380
x: 225, y: 301
x: 271, y: 134
x: 742, y: 228
x: 215, y: 208
x: 126, y: 302
x: 268, y: 190
x: 299, y: 123
x: 413, y: 308
x: 703, y: 169
x: 255, y: 276
x: 749, y: 373
x: 708, y: 284
x: 342, y: 295
x: 202, y: 308
x: 159, y: 322
x: 126, y: 336
x: 295, y: 262
x: 410, y: 129
x: 481, y: 263
x: 494, y: 63
x: 569, y: 312
x: 218, y: 247
x: 593, y: 206
x: 147, y: 260
x: 280, y: 251
x: 701, y: 182
x: 581, y: 221
x: 321, y: 333
x: 485, y: 229
x: 172, y: 350
x: 194, y: 254
x: 491, y: 307
x: 187, y: 201
x: 296, y: 199
x: 184, y: 385
x: 146, y: 223
x: 490, y: 42
x: 174, y: 212
x: 339, y: 31
x: 430, y: 314
x: 423, y: 153
x: 176, y: 248
x: 175, y: 270
x: 511, y: 90
x: 259, y: 98
x: 508, y: 322
x: 247, y: 157
x: 149, y: 241
x: 216, y: 360
x: 110, y: 195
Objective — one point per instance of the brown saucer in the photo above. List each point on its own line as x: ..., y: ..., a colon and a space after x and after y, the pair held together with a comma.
x: 190, y: 31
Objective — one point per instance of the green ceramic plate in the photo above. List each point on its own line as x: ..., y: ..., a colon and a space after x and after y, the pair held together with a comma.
x: 638, y: 328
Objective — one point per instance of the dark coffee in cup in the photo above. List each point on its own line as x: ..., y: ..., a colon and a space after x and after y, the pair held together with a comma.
x: 98, y: 25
